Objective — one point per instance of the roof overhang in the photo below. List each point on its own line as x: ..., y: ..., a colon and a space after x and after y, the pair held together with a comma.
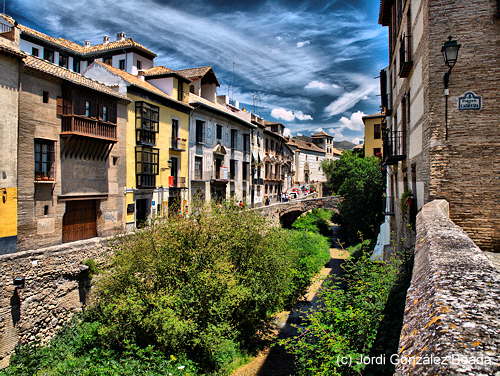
x: 223, y: 113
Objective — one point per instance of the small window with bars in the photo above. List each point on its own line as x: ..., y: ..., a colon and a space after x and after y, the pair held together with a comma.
x: 200, y: 131
x: 44, y: 160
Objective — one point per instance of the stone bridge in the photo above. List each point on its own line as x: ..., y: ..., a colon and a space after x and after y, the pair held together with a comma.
x: 285, y: 213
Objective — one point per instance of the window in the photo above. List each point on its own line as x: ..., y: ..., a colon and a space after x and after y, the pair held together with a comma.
x: 246, y: 143
x: 191, y: 89
x: 175, y: 134
x: 200, y: 130
x: 246, y: 166
x: 234, y: 138
x: 87, y: 108
x: 147, y: 119
x: 121, y: 64
x: 76, y: 65
x: 219, y: 132
x: 46, y: 210
x: 198, y: 168
x: 146, y: 166
x: 44, y: 159
x: 232, y: 169
x: 139, y: 65
x: 35, y: 51
x: 108, y: 60
x: 63, y: 61
x: 48, y: 55
x: 45, y: 96
x: 377, y: 134
x: 180, y: 90
x: 105, y: 115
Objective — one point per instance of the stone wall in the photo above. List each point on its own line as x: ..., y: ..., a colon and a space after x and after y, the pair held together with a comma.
x: 452, y: 304
x: 56, y: 284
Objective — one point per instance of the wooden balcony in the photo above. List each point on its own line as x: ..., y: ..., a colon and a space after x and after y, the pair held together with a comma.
x: 87, y: 127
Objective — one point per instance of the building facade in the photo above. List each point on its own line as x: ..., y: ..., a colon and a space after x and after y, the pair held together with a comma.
x: 443, y: 144
x: 373, y: 145
x: 10, y: 68
x: 307, y: 160
x: 157, y: 133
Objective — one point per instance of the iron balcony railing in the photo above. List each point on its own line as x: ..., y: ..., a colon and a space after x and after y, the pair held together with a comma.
x: 394, y: 147
x: 179, y: 144
x: 176, y: 182
x: 389, y: 205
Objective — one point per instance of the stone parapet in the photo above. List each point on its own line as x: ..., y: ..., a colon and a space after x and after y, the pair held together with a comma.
x: 451, y: 316
x: 55, y: 288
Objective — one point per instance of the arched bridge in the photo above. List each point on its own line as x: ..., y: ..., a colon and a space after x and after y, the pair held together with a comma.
x: 285, y: 213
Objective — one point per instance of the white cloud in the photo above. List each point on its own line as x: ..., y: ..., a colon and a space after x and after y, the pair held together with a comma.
x: 320, y: 87
x: 354, y: 122
x: 304, y: 43
x: 281, y: 113
x: 366, y: 87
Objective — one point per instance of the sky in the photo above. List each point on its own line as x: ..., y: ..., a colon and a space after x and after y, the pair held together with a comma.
x: 312, y: 65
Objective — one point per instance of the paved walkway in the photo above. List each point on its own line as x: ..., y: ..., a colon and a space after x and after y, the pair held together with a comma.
x: 275, y: 361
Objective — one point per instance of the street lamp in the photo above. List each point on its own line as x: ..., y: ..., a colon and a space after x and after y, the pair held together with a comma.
x: 449, y: 50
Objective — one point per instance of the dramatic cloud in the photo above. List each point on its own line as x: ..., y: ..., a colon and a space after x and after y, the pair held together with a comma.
x: 320, y: 57
x: 282, y: 114
x: 366, y: 86
x: 354, y: 123
x: 322, y: 88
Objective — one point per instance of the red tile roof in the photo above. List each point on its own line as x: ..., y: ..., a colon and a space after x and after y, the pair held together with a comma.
x: 65, y: 74
x: 162, y: 71
x: 304, y: 145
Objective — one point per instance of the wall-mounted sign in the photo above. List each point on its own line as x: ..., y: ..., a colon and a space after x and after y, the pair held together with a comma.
x: 470, y: 101
x: 130, y: 208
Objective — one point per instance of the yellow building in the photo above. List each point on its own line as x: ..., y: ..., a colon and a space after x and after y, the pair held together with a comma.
x: 156, y: 143
x: 373, y: 135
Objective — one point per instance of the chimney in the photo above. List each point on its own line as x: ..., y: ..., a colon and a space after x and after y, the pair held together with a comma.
x: 120, y: 36
x: 105, y: 39
x: 87, y: 43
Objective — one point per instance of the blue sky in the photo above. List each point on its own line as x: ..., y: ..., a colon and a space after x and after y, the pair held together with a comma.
x: 309, y: 64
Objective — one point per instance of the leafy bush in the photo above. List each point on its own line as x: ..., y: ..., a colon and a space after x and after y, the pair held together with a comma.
x: 314, y: 252
x: 201, y: 288
x: 78, y: 350
x: 317, y: 220
x: 346, y: 322
x: 361, y: 184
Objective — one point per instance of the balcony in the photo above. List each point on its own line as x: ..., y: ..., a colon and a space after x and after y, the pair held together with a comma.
x: 258, y: 181
x: 145, y: 137
x: 7, y: 31
x: 394, y: 147
x: 405, y: 62
x: 176, y: 182
x: 178, y: 144
x: 87, y: 127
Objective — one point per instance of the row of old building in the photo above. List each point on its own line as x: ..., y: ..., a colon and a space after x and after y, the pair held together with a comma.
x: 439, y: 129
x: 98, y: 140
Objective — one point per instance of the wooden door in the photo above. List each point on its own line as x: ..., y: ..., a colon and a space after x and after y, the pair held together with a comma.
x: 80, y: 220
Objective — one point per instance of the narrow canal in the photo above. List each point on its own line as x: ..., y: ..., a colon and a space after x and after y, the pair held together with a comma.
x: 274, y: 360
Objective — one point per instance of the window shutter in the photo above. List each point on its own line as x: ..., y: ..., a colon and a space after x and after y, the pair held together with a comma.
x: 60, y: 109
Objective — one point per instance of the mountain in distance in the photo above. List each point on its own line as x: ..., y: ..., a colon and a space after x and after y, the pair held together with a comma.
x: 344, y: 145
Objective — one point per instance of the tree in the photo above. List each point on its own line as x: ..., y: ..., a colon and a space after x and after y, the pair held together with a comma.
x: 361, y: 184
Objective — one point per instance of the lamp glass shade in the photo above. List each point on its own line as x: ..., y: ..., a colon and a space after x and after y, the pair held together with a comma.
x: 450, y: 52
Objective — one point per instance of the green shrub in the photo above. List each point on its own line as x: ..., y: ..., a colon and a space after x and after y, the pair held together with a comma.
x: 361, y: 184
x: 202, y: 288
x: 78, y: 350
x: 346, y: 322
x: 317, y: 220
x: 313, y: 253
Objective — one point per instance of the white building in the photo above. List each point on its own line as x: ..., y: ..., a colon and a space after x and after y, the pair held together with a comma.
x: 307, y: 160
